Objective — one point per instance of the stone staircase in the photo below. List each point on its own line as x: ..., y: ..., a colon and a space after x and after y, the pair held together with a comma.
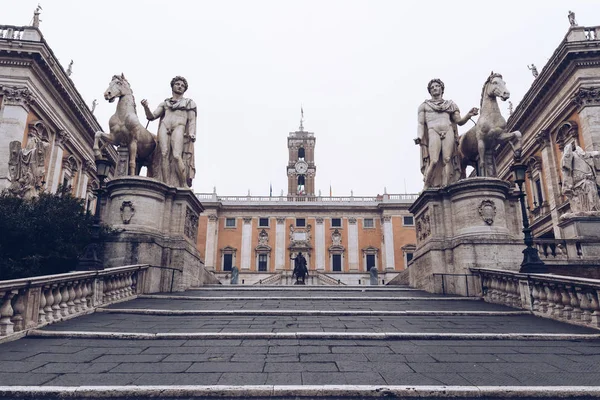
x: 332, y: 342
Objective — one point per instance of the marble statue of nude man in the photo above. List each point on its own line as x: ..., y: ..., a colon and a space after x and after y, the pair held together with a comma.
x: 437, y: 134
x: 176, y: 134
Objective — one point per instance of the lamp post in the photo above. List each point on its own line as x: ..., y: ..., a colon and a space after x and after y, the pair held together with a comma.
x: 92, y: 254
x: 531, y: 259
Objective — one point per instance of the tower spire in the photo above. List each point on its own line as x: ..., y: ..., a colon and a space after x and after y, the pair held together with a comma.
x: 301, y: 129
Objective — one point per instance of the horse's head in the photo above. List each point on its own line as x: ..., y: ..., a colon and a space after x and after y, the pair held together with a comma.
x: 118, y: 87
x: 496, y: 87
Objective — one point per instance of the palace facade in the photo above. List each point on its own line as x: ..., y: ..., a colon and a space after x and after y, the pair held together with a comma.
x: 342, y: 238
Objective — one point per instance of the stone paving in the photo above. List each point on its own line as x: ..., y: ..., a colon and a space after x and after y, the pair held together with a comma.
x: 239, y: 359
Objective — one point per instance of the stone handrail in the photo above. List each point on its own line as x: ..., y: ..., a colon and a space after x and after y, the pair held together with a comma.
x: 274, y: 278
x: 327, y: 279
x: 564, y: 298
x: 34, y: 302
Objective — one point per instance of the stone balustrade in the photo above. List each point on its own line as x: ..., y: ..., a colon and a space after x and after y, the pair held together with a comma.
x: 11, y: 32
x: 569, y: 299
x: 38, y: 301
x: 385, y: 198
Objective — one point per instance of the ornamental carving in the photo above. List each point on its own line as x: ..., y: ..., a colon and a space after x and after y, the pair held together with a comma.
x: 247, y: 220
x: 543, y: 138
x: 17, y: 96
x: 566, y: 132
x: 190, y: 228
x: 300, y: 236
x: 280, y: 220
x: 487, y: 211
x: 263, y: 238
x: 62, y: 138
x: 386, y: 218
x: 27, y: 166
x: 213, y: 218
x: 336, y: 237
x: 352, y: 221
x: 319, y: 220
x: 127, y: 211
x: 587, y: 96
x: 423, y: 226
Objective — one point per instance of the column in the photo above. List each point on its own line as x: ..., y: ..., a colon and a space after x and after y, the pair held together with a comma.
x: 588, y: 101
x: 550, y: 177
x: 212, y: 232
x: 353, y: 259
x: 13, y: 121
x: 280, y: 244
x: 320, y: 244
x: 388, y: 237
x: 62, y: 138
x: 246, y: 254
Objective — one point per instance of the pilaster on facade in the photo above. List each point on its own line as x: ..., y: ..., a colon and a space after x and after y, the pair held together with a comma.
x: 320, y: 244
x: 280, y: 231
x: 246, y: 254
x: 353, y: 251
x: 212, y: 234
x: 388, y: 232
x: 587, y: 100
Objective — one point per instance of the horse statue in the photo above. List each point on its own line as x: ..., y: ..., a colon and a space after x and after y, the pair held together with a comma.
x: 300, y: 269
x: 478, y: 144
x: 125, y: 128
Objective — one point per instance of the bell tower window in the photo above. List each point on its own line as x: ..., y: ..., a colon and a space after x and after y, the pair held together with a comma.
x: 301, y: 153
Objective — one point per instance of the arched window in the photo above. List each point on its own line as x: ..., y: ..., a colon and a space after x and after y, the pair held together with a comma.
x: 301, y: 153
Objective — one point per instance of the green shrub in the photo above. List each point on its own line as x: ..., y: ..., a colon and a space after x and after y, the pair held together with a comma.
x: 42, y: 236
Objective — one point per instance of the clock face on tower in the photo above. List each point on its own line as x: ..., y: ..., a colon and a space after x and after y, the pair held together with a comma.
x: 301, y: 167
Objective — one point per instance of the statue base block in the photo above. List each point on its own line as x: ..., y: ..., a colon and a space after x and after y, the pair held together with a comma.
x: 472, y: 223
x: 158, y: 225
x: 584, y: 227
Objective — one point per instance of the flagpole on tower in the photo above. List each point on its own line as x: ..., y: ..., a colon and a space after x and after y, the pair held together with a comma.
x: 301, y: 119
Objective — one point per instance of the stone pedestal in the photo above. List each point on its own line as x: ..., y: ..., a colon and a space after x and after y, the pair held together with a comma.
x: 585, y: 229
x: 472, y: 223
x: 157, y: 225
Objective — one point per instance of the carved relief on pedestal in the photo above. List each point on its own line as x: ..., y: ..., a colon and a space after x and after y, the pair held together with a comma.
x: 423, y: 226
x: 27, y: 166
x: 191, y: 224
x: 127, y: 211
x: 487, y: 211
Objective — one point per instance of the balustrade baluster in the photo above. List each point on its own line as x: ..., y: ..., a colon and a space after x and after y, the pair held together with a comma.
x: 6, y: 313
x: 543, y: 299
x: 535, y: 296
x: 595, y: 308
x: 77, y: 296
x: 584, y: 303
x: 576, y: 313
x: 56, y: 305
x: 64, y: 297
x: 41, y: 311
x: 548, y: 288
x: 71, y: 303
x: 566, y: 303
x: 18, y: 311
x: 134, y: 282
x: 47, y: 290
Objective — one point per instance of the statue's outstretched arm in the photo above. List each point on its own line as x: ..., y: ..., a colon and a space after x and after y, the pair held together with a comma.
x: 461, y: 121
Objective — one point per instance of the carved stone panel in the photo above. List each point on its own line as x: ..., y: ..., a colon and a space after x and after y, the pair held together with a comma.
x: 423, y: 226
x: 127, y: 211
x: 487, y: 211
x: 191, y: 224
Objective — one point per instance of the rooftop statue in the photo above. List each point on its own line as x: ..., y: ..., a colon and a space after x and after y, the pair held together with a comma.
x: 572, y: 20
x: 437, y: 135
x: 176, y: 135
x: 125, y: 128
x: 533, y: 70
x: 477, y: 145
x: 579, y: 179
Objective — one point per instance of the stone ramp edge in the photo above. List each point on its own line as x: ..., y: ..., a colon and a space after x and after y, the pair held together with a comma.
x: 300, y: 391
x: 364, y: 313
x: 36, y: 333
x: 340, y: 298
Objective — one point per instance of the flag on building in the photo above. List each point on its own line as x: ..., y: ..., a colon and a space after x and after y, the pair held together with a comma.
x: 330, y: 190
x: 270, y: 190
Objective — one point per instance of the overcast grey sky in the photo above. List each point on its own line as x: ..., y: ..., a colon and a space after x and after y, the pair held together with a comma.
x: 359, y: 68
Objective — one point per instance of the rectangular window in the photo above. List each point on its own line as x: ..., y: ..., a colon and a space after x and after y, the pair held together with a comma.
x: 540, y: 193
x: 227, y: 262
x: 368, y: 223
x: 300, y: 222
x: 408, y: 220
x: 336, y: 222
x: 262, y: 262
x: 409, y: 257
x: 229, y: 222
x: 263, y: 222
x: 370, y: 261
x: 337, y: 262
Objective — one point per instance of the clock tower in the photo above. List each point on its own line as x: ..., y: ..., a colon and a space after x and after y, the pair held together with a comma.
x: 301, y: 167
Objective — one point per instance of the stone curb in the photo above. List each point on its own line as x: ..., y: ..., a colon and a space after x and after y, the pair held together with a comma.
x: 314, y: 335
x: 144, y: 311
x: 299, y: 391
x: 246, y: 298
